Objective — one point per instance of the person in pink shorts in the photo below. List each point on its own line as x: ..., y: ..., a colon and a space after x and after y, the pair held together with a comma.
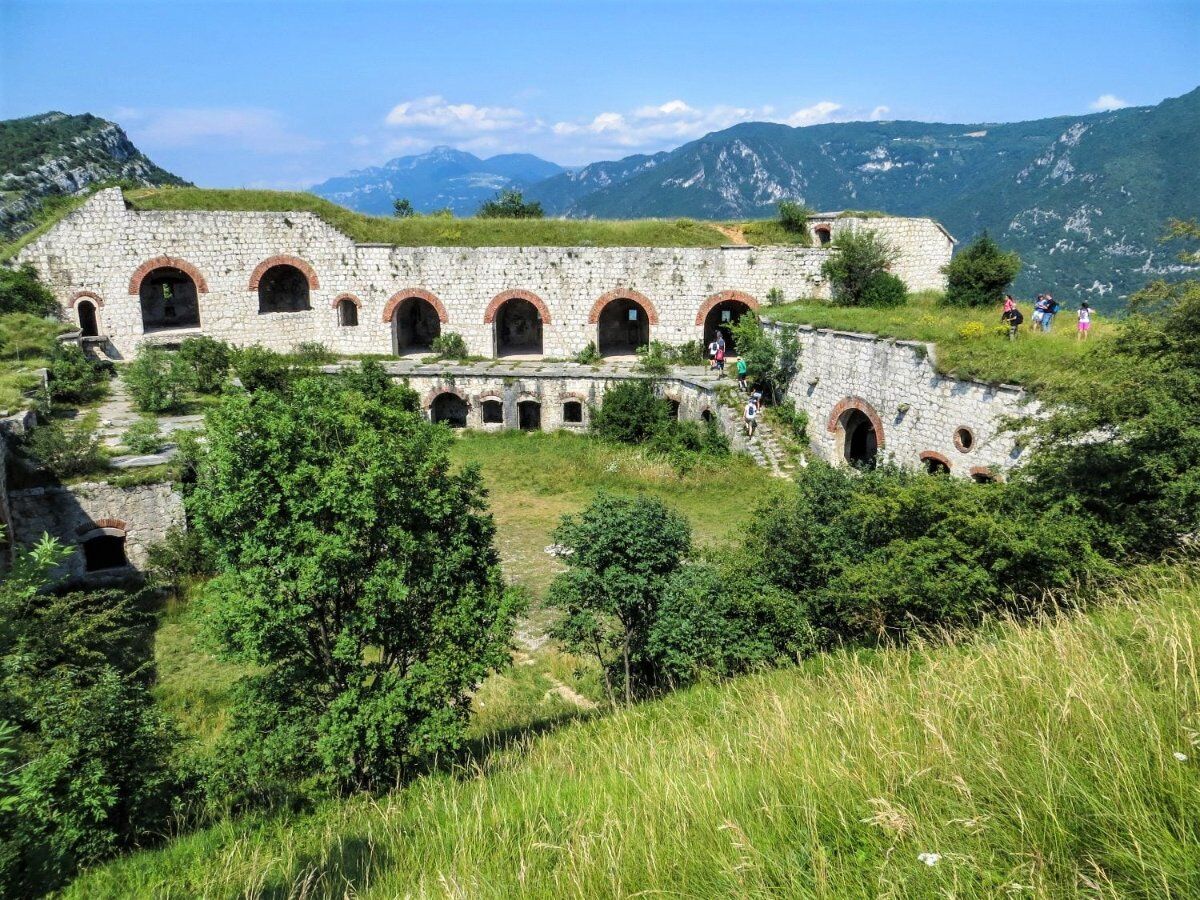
x: 1085, y: 321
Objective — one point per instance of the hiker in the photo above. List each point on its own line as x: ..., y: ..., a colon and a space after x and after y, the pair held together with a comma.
x: 1085, y: 321
x: 1039, y: 310
x: 1009, y: 302
x: 742, y: 369
x: 712, y: 354
x: 719, y: 359
x: 1013, y: 319
x: 1052, y: 308
x: 756, y: 396
x: 751, y: 417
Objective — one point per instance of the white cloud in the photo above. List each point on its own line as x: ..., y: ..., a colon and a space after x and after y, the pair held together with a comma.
x: 812, y: 115
x: 433, y: 113
x: 246, y: 128
x: 1107, y: 103
x: 879, y: 112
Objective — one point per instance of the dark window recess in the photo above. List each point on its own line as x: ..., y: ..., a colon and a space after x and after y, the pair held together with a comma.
x: 529, y: 415
x: 105, y: 551
x: 283, y: 288
x: 573, y: 412
x: 347, y: 314
x: 493, y: 412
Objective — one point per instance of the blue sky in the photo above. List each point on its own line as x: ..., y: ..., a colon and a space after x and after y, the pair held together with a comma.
x: 284, y: 94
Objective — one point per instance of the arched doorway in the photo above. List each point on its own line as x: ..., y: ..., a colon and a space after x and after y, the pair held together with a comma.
x: 449, y: 408
x: 283, y: 288
x: 518, y: 328
x: 861, y: 443
x: 622, y: 327
x: 89, y: 324
x: 493, y: 412
x: 415, y: 326
x: 104, y: 550
x: 529, y: 415
x: 935, y: 463
x: 168, y: 300
x: 721, y: 318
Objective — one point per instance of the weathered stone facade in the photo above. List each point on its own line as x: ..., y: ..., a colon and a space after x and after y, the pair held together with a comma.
x: 98, y: 258
x: 923, y: 245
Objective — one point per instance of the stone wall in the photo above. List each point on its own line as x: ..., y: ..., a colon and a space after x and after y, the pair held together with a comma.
x: 918, y: 412
x: 100, y: 252
x: 77, y: 512
x: 923, y: 244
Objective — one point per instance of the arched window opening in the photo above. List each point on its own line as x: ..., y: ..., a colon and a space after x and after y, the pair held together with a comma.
x: 706, y: 416
x: 415, y: 326
x: 529, y: 415
x: 983, y: 476
x: 283, y: 288
x: 169, y: 300
x: 623, y: 327
x: 104, y: 551
x: 573, y: 412
x: 861, y: 443
x: 89, y: 325
x: 935, y: 466
x: 493, y: 412
x: 347, y: 311
x: 518, y: 328
x: 449, y: 408
x: 824, y: 234
x: 673, y: 406
x: 721, y: 319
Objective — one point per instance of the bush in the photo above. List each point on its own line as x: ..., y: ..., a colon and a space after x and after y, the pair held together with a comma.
x: 980, y: 274
x: 67, y: 449
x: 795, y: 420
x: 450, y: 345
x: 21, y: 291
x: 860, y: 257
x: 510, y: 204
x: 972, y: 331
x: 884, y: 289
x: 157, y: 380
x: 402, y: 208
x: 589, y: 355
x: 143, y: 437
x: 794, y: 216
x: 313, y: 353
x: 75, y: 377
x: 775, y: 297
x: 258, y: 369
x: 631, y: 413
x: 180, y: 556
x: 772, y: 358
x: 655, y: 358
x: 209, y: 359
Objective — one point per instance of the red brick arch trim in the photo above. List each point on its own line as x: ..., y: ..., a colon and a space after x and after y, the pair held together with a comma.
x: 399, y: 297
x: 115, y: 524
x: 844, y: 406
x: 336, y: 301
x: 436, y: 392
x: 716, y: 299
x: 489, y: 314
x: 82, y: 295
x: 573, y: 395
x: 940, y: 457
x: 985, y: 472
x: 167, y: 262
x: 623, y: 294
x: 284, y: 260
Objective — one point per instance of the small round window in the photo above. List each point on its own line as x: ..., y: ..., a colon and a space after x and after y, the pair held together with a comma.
x: 964, y: 439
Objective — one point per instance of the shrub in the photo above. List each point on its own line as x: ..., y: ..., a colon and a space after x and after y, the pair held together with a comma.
x: 883, y: 290
x: 66, y: 449
x: 21, y: 291
x: 860, y: 257
x: 180, y: 555
x: 313, y: 353
x: 794, y: 216
x: 775, y: 297
x: 450, y: 345
x: 75, y: 377
x: 655, y: 358
x: 772, y: 358
x: 980, y: 274
x: 589, y: 355
x: 690, y: 353
x: 258, y: 369
x: 510, y: 204
x: 630, y: 413
x: 209, y: 359
x: 795, y: 420
x: 974, y: 330
x: 143, y: 436
x: 157, y: 380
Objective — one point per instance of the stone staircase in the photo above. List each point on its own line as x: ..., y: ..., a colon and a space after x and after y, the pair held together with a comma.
x: 766, y: 450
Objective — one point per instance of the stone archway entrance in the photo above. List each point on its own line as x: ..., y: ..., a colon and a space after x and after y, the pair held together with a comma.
x: 721, y: 319
x: 860, y: 444
x: 169, y: 300
x: 518, y: 328
x: 415, y: 326
x: 623, y: 327
x: 449, y: 408
x: 89, y: 324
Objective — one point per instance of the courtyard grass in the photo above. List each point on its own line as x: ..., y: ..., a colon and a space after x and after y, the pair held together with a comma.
x: 970, y: 343
x: 1043, y: 760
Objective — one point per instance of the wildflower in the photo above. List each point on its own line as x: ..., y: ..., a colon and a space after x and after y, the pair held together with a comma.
x: 930, y: 859
x: 1182, y: 757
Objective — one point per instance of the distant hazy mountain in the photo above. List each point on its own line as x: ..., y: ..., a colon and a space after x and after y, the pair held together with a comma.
x: 443, y: 177
x: 55, y: 154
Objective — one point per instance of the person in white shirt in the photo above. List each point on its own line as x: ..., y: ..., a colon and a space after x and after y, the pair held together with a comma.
x: 1085, y: 321
x: 751, y: 417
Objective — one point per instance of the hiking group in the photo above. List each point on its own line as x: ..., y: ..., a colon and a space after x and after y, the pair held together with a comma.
x: 716, y: 353
x: 1045, y: 308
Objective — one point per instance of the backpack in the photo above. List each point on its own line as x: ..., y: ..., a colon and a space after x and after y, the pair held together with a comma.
x: 1016, y: 318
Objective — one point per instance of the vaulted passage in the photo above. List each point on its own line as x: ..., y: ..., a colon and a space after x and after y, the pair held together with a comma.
x: 168, y: 299
x: 623, y: 327
x: 415, y: 326
x: 518, y: 328
x: 721, y: 319
x: 449, y: 408
x: 861, y: 443
x: 283, y: 288
x: 89, y: 326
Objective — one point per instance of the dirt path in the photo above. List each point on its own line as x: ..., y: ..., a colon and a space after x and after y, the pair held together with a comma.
x: 733, y: 232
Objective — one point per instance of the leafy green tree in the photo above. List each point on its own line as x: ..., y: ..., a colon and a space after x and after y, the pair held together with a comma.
x: 158, y: 381
x: 630, y: 413
x: 209, y: 359
x: 22, y: 291
x: 402, y: 208
x: 772, y: 358
x: 980, y: 274
x: 356, y: 574
x: 621, y: 554
x: 510, y: 204
x: 794, y: 216
x: 860, y: 258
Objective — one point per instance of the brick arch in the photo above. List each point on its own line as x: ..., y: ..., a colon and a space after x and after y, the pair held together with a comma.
x: 433, y: 393
x: 708, y: 305
x: 985, y: 472
x: 849, y: 403
x: 167, y: 262
x: 389, y: 308
x: 85, y: 295
x: 112, y: 524
x: 623, y: 294
x: 489, y: 314
x: 284, y: 260
x: 940, y: 457
x: 333, y: 304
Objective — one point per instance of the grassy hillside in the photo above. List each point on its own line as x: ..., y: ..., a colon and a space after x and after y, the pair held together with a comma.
x: 1033, y: 761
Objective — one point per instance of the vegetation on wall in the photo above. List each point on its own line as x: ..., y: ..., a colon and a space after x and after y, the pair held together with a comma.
x: 858, y: 272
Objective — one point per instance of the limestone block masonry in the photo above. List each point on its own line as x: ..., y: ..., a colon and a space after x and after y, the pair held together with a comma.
x: 96, y: 257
